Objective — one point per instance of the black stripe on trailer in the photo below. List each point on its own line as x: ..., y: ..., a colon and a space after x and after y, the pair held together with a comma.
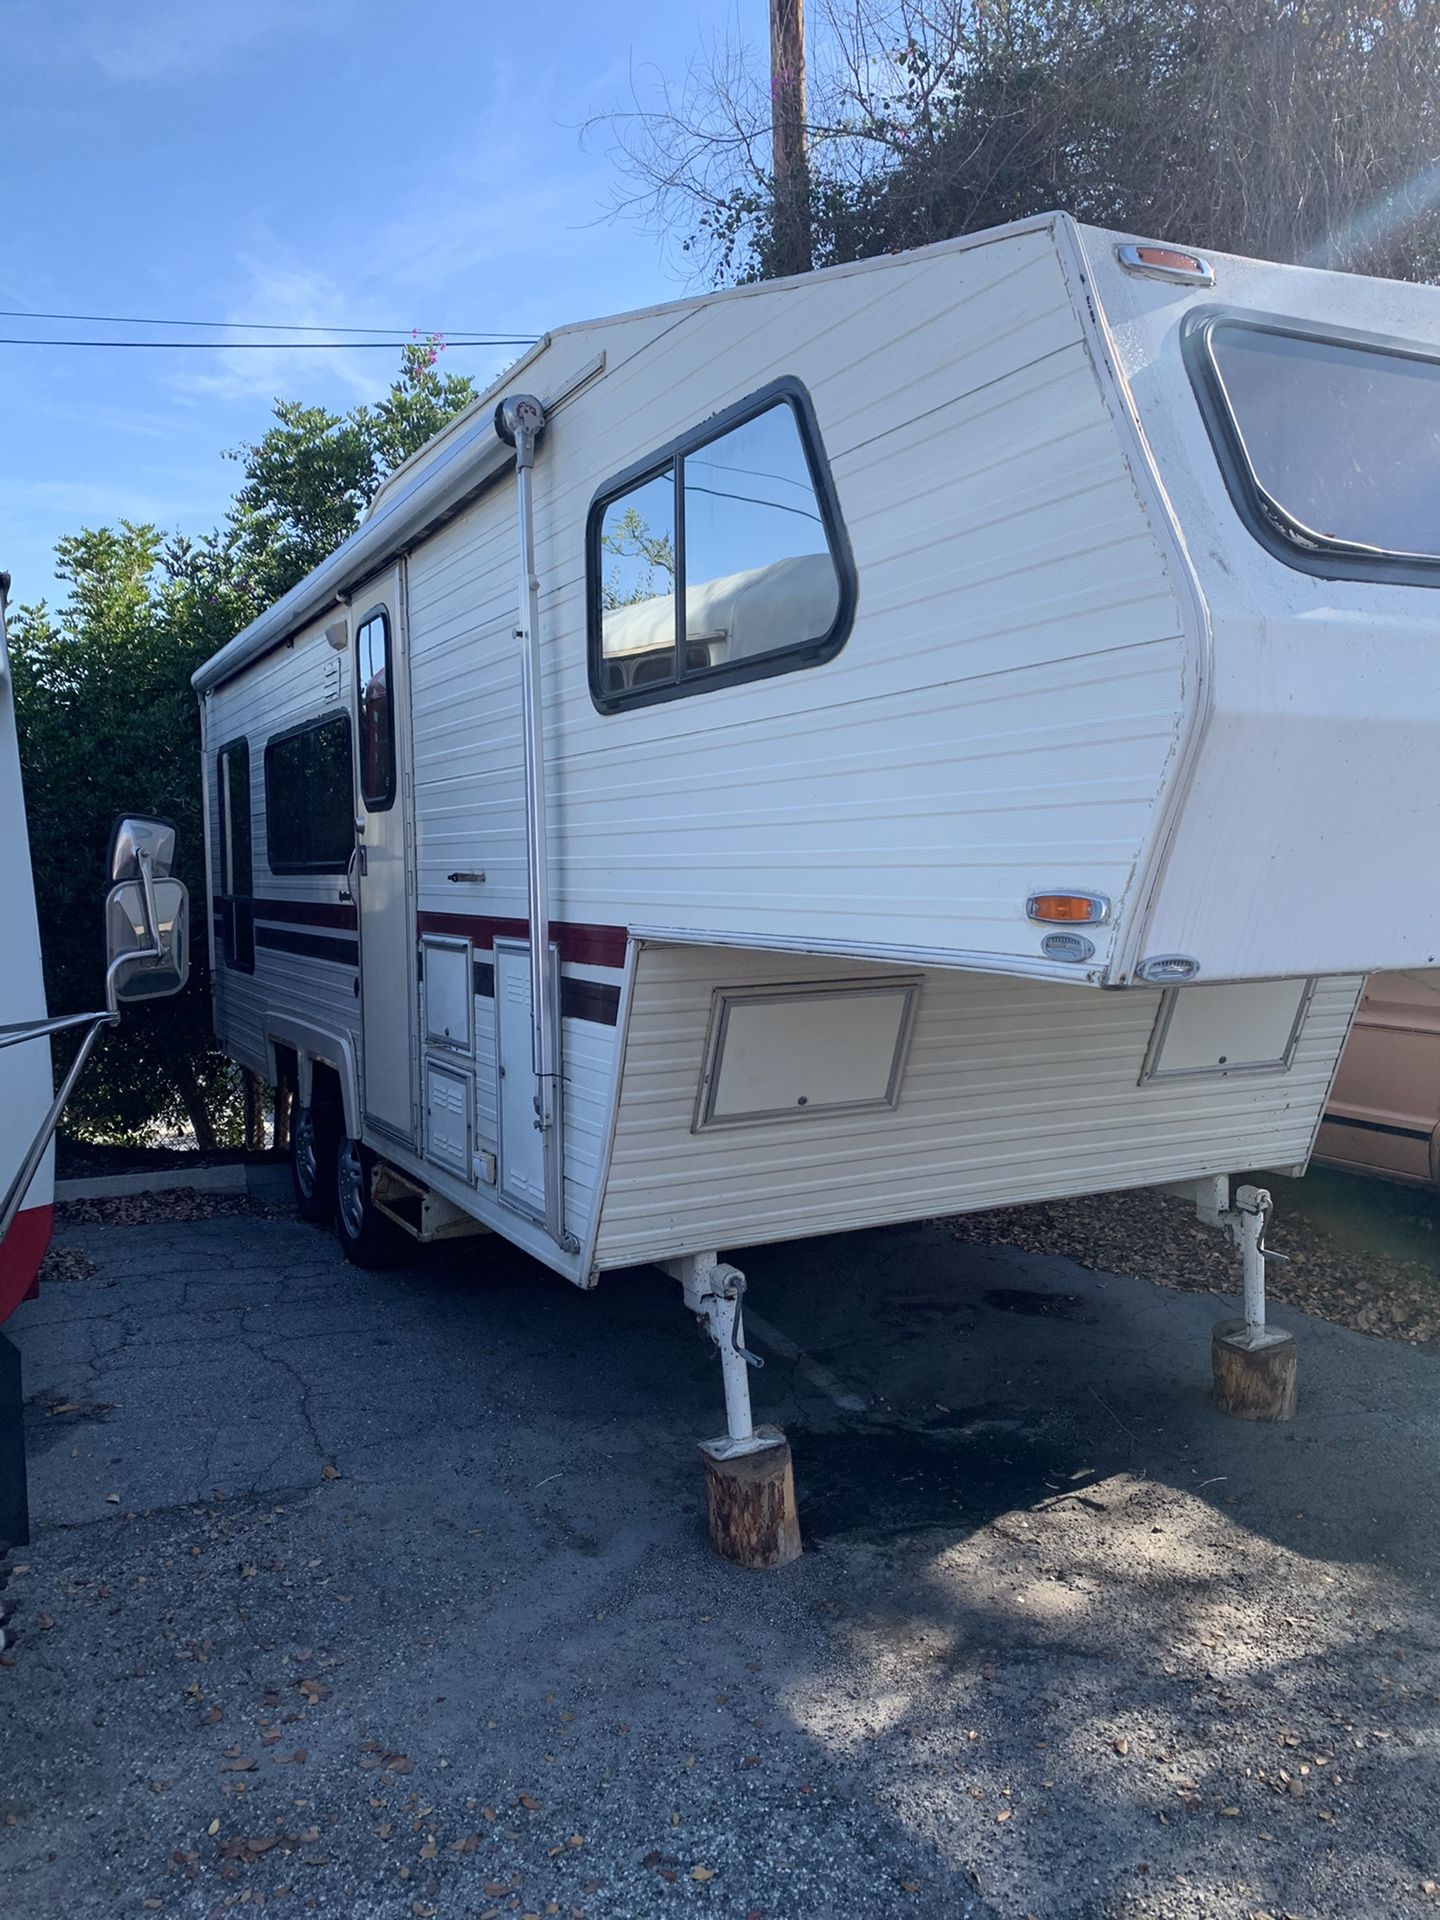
x: 595, y: 1000
x: 315, y: 946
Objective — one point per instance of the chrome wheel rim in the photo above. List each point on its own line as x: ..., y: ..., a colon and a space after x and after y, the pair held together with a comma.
x: 350, y: 1172
x: 307, y: 1164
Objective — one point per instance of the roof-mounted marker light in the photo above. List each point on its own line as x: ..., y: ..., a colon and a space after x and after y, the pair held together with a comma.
x: 1085, y: 909
x: 1166, y: 968
x: 1067, y: 946
x: 1166, y: 263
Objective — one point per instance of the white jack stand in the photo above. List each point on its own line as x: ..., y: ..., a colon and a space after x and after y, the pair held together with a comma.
x: 749, y: 1481
x: 1253, y: 1364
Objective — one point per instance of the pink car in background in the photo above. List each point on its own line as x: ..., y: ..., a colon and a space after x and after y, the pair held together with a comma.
x: 1384, y: 1111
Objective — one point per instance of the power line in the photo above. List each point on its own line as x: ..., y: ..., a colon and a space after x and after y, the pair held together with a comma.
x: 241, y: 326
x: 263, y: 346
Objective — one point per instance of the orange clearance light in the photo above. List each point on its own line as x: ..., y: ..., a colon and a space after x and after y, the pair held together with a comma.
x: 1088, y: 909
x: 1167, y: 263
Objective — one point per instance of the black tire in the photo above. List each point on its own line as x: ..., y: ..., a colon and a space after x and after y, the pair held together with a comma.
x: 314, y: 1137
x: 367, y: 1238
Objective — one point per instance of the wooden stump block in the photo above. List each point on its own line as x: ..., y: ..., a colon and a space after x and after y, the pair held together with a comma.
x: 752, y: 1501
x: 1254, y: 1379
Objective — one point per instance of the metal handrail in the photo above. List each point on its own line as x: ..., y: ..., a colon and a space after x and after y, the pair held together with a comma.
x: 20, y: 1185
x: 11, y: 1036
x: 33, y: 1030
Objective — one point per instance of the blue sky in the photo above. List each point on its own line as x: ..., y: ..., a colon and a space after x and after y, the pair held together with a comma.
x: 345, y: 162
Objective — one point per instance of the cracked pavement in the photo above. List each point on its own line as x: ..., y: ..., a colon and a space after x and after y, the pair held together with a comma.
x: 389, y: 1594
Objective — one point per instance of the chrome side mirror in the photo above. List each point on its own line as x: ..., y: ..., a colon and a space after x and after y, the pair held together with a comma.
x: 135, y: 834
x: 149, y: 957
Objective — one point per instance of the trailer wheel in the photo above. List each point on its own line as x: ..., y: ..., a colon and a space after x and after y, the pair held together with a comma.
x: 367, y: 1237
x: 313, y: 1141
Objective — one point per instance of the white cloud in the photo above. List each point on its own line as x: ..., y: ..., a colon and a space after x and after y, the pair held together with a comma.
x: 145, y: 40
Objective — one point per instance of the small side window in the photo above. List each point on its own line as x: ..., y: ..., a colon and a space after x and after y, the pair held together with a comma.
x: 310, y: 798
x: 234, y: 897
x: 723, y: 559
x: 376, y: 712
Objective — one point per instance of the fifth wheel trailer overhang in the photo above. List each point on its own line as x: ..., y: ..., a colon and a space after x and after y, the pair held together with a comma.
x: 937, y: 732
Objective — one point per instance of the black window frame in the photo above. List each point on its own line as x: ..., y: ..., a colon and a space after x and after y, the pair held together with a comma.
x: 1267, y: 519
x: 383, y: 802
x: 234, y: 912
x: 692, y: 680
x: 312, y: 725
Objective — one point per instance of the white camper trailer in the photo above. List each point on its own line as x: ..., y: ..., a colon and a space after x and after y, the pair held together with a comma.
x: 940, y: 732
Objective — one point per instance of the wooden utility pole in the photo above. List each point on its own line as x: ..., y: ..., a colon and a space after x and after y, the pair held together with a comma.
x: 787, y: 123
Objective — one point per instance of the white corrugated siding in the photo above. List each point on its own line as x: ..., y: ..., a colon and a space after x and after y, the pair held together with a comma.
x: 291, y: 685
x: 1004, y: 715
x: 1015, y: 1091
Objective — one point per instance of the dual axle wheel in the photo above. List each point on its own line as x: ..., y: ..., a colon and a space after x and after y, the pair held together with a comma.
x: 332, y: 1174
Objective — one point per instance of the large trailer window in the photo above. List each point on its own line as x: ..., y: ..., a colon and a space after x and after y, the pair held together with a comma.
x: 310, y: 798
x: 234, y: 898
x: 722, y: 558
x: 1330, y: 443
x: 376, y: 712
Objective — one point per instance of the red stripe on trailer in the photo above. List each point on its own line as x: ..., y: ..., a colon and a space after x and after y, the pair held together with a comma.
x: 584, y: 946
x: 21, y: 1252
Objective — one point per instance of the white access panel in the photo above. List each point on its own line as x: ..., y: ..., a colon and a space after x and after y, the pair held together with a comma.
x: 1247, y: 1026
x: 447, y: 1118
x: 449, y: 998
x: 522, y: 1146
x: 797, y: 1051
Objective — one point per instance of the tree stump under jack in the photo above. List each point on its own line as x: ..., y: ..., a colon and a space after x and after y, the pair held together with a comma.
x: 752, y: 1501
x: 1254, y: 1378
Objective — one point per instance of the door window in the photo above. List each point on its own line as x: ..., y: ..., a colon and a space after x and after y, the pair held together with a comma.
x: 376, y: 709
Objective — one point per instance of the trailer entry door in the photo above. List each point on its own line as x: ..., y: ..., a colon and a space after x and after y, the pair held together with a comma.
x: 382, y: 878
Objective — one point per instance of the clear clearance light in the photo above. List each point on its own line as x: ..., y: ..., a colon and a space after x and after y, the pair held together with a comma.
x: 1166, y: 263
x: 1163, y: 967
x: 1067, y: 946
x: 1085, y: 909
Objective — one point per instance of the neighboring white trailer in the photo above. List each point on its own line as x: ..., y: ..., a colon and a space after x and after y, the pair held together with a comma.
x: 25, y: 1088
x: 946, y: 731
x: 146, y: 944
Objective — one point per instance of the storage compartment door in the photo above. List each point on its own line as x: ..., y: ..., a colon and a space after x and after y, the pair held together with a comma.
x: 522, y: 1146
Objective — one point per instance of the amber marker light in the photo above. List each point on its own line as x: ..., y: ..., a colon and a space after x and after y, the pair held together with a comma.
x: 1068, y: 909
x: 1166, y: 263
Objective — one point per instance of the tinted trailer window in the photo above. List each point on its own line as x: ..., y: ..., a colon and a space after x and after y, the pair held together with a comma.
x: 1330, y: 444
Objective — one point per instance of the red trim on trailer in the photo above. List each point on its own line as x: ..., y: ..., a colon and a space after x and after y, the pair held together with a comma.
x: 583, y: 946
x: 307, y: 913
x: 21, y: 1252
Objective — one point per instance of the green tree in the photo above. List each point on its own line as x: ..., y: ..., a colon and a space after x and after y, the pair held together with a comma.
x: 309, y: 478
x: 630, y: 538
x: 108, y: 722
x: 1276, y: 128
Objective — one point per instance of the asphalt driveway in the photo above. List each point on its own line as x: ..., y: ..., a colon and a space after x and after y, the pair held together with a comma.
x: 389, y: 1595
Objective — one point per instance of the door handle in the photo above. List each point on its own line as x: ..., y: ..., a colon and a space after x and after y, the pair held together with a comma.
x: 353, y: 866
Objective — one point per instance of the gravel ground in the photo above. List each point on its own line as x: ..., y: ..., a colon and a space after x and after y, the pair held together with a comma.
x: 1359, y: 1252
x: 389, y: 1595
